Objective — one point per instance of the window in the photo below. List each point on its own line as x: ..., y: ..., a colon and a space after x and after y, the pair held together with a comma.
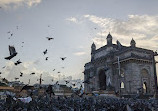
x: 122, y: 85
x: 122, y: 73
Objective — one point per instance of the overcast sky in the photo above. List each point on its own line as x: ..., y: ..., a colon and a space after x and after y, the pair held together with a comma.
x: 74, y: 25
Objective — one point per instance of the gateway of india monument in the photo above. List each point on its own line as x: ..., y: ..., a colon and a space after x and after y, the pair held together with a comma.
x: 123, y: 70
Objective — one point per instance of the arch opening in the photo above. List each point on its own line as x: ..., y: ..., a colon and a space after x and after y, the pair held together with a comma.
x: 102, y: 80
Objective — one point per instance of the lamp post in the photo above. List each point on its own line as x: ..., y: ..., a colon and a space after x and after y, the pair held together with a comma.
x: 118, y: 60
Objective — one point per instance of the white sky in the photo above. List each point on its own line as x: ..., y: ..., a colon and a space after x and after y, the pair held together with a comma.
x: 72, y: 24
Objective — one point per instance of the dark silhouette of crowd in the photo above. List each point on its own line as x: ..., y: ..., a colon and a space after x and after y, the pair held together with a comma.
x: 45, y: 103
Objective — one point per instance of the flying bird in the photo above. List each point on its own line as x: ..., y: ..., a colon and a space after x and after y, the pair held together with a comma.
x: 67, y: 82
x: 46, y: 58
x: 12, y: 51
x: 45, y: 52
x: 8, y: 32
x: 74, y: 85
x: 11, y: 34
x: 3, y: 67
x: 49, y: 38
x: 53, y: 69
x: 17, y: 62
x: 58, y: 72
x: 32, y: 73
x: 63, y: 58
x: 21, y: 74
x: 57, y: 82
x: 16, y: 78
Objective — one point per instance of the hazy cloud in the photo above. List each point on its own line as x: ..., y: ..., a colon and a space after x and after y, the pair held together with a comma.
x: 16, y: 3
x: 143, y: 28
x: 79, y: 53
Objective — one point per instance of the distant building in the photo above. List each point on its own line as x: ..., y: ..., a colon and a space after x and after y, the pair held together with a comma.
x: 122, y: 69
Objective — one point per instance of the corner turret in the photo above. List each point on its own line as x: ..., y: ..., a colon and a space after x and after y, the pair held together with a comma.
x: 133, y: 43
x: 109, y: 40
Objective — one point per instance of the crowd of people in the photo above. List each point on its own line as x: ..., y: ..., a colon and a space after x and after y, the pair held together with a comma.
x: 45, y: 103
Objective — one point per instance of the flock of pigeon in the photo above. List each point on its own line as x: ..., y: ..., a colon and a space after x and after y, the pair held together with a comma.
x: 14, y: 53
x: 44, y: 103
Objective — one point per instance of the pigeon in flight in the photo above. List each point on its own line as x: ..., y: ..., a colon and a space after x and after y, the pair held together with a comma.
x: 57, y: 82
x: 58, y: 72
x: 74, y: 85
x: 12, y: 51
x: 67, y: 82
x: 16, y: 78
x: 3, y: 67
x: 32, y: 73
x: 63, y: 58
x: 21, y: 74
x: 49, y: 38
x: 46, y: 58
x: 0, y: 72
x: 45, y: 52
x: 17, y: 62
x: 53, y: 69
x: 11, y: 34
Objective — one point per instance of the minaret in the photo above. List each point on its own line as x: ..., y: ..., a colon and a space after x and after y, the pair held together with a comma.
x: 109, y: 39
x: 133, y: 43
x: 93, y: 48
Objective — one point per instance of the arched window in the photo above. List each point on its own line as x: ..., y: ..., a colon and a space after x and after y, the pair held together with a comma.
x: 122, y: 73
x: 144, y: 87
x: 122, y: 85
x: 144, y: 73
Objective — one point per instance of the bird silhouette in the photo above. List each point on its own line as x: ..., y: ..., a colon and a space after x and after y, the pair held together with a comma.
x: 21, y: 74
x: 53, y: 69
x: 67, y: 82
x: 11, y: 34
x: 3, y: 67
x: 49, y: 38
x: 0, y: 72
x: 8, y: 32
x: 12, y: 51
x: 45, y: 52
x: 16, y: 78
x: 63, y: 58
x: 57, y: 82
x: 46, y: 58
x: 58, y: 72
x: 17, y: 62
x: 74, y: 85
x: 32, y: 73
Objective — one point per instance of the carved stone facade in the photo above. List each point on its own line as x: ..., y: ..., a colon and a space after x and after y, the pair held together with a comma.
x: 123, y: 69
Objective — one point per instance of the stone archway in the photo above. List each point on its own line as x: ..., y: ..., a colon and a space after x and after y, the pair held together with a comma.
x: 144, y: 88
x: 102, y: 80
x: 145, y: 80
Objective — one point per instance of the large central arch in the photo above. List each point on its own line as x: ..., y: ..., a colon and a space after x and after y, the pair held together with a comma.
x: 102, y: 80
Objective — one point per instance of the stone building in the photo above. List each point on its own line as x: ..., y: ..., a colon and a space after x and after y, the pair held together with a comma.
x: 125, y: 70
